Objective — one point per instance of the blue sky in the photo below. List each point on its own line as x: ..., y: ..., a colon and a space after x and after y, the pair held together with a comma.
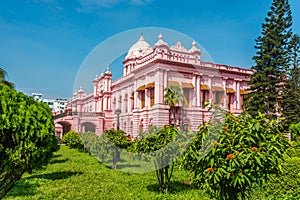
x: 44, y: 42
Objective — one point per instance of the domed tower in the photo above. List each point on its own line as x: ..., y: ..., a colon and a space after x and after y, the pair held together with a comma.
x: 140, y: 48
x: 195, y: 52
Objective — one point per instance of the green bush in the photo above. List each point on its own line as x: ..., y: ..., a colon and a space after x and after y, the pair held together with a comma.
x: 163, y: 146
x: 73, y: 140
x: 285, y: 185
x: 294, y: 129
x: 27, y: 138
x: 247, y: 152
x: 98, y: 146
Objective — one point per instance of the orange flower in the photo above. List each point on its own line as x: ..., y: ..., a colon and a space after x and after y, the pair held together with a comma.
x: 129, y: 138
x: 210, y: 169
x: 254, y: 149
x: 230, y: 157
x: 241, y: 173
x: 214, y: 143
x: 225, y: 128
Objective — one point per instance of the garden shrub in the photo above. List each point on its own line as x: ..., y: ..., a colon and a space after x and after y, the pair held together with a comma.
x: 119, y: 141
x: 285, y: 185
x: 247, y: 152
x: 73, y: 140
x: 97, y: 145
x: 27, y: 138
x: 294, y: 129
x: 163, y: 146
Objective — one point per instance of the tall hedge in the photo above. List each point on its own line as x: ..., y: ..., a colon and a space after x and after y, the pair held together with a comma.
x: 27, y: 138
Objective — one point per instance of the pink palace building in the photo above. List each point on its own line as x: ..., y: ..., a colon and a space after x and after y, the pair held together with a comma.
x: 139, y: 94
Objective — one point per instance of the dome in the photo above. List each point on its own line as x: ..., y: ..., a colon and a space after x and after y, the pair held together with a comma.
x: 160, y: 42
x: 194, y: 49
x: 140, y: 48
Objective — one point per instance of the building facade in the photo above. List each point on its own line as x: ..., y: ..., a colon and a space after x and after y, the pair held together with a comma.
x: 139, y: 93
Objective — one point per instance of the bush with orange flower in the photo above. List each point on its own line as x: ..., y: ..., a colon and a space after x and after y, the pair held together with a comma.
x: 228, y: 157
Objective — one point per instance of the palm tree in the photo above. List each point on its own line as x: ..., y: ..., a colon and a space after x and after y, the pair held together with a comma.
x: 173, y: 96
x: 3, y: 74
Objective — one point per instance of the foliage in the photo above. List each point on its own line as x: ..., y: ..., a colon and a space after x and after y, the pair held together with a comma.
x: 287, y: 184
x: 119, y: 141
x: 163, y: 146
x: 27, y: 138
x: 271, y: 60
x: 73, y: 140
x: 294, y: 130
x: 3, y: 80
x: 290, y: 101
x: 118, y: 138
x: 97, y: 145
x: 247, y: 153
x: 173, y: 96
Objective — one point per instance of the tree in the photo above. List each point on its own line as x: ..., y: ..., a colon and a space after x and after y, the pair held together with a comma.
x: 27, y: 138
x: 290, y: 101
x: 271, y: 60
x: 119, y: 141
x: 172, y: 97
x: 162, y: 146
x: 3, y: 80
x: 246, y: 153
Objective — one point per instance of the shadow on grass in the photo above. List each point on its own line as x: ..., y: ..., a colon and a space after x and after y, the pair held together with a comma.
x: 175, y: 187
x: 23, y: 188
x: 56, y: 156
x: 56, y: 161
x: 122, y: 166
x: 55, y: 175
x: 26, y: 186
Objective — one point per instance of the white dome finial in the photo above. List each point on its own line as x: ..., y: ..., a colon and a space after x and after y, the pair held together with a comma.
x: 194, y: 43
x: 141, y: 37
x: 160, y: 36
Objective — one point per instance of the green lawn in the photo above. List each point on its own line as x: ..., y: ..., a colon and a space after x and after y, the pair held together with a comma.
x: 77, y: 175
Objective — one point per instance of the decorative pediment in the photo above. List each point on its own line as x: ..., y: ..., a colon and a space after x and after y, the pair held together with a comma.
x: 179, y: 47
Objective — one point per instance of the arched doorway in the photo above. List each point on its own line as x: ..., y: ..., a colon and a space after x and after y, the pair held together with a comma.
x: 65, y: 127
x: 88, y: 127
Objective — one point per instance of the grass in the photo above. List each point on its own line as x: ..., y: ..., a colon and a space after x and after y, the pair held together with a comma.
x: 77, y: 175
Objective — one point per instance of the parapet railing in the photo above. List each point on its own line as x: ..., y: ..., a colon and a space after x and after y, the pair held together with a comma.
x: 80, y: 114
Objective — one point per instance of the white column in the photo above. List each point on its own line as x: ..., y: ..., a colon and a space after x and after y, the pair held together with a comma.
x: 194, y: 96
x: 238, y: 95
x: 225, y: 94
x: 109, y: 103
x: 129, y: 101
x: 159, y: 87
x: 135, y: 102
x: 198, y: 103
x: 165, y: 80
x: 235, y: 97
x: 210, y: 88
x: 99, y: 105
x: 147, y: 99
x: 104, y: 103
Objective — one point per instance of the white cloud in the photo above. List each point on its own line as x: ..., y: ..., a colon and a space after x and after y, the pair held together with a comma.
x: 88, y: 5
x: 52, y: 4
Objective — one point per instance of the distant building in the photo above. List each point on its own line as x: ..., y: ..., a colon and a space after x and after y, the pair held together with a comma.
x: 57, y: 106
x: 60, y: 105
x: 139, y: 94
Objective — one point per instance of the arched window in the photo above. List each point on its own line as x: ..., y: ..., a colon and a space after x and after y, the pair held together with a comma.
x: 132, y: 101
x: 126, y: 103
